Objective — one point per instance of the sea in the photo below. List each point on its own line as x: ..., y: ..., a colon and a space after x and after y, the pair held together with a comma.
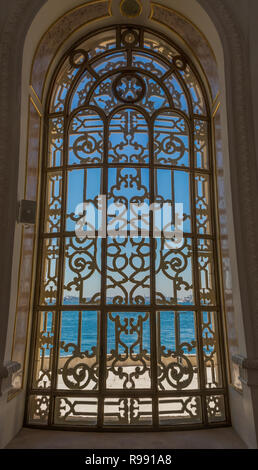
x: 173, y: 329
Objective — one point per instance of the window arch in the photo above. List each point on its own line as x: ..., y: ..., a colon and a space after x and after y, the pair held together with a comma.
x: 128, y: 329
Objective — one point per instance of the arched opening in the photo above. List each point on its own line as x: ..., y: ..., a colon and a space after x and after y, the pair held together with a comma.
x: 35, y: 38
x: 128, y: 326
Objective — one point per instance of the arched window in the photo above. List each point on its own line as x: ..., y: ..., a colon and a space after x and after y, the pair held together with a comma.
x: 127, y: 326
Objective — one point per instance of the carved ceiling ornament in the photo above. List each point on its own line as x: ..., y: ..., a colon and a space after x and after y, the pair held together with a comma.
x: 130, y: 8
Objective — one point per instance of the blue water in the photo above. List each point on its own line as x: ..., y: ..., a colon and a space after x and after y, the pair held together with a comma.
x: 69, y: 334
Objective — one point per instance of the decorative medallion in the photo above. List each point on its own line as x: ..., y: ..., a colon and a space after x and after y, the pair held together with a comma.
x: 130, y: 8
x: 129, y: 87
x: 130, y: 38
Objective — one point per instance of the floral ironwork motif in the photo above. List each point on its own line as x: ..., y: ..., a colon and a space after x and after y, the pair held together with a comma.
x: 129, y: 88
x: 127, y: 327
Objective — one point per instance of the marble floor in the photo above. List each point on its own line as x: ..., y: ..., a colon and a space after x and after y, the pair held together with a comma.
x: 219, y: 438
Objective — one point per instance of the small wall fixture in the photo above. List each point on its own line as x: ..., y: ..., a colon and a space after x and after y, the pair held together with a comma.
x: 27, y: 212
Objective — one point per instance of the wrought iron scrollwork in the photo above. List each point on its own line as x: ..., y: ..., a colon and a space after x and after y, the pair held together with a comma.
x: 128, y: 325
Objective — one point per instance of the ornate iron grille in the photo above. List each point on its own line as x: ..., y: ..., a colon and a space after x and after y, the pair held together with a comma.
x: 127, y: 330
